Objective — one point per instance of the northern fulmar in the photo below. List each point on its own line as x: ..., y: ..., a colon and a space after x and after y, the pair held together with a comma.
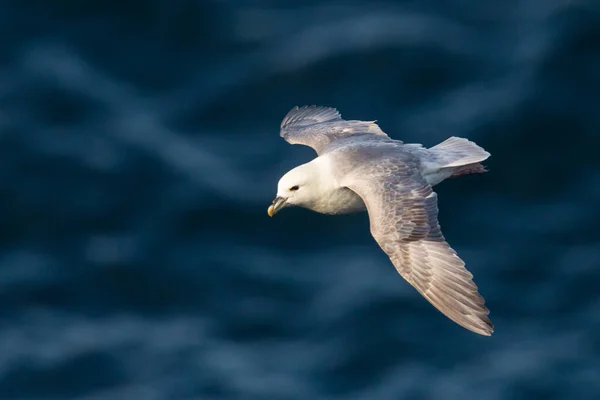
x: 359, y: 167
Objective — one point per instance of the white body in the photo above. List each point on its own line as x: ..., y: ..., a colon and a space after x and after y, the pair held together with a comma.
x: 323, y: 193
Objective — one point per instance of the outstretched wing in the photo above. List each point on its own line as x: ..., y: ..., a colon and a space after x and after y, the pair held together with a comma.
x: 316, y: 127
x: 403, y: 215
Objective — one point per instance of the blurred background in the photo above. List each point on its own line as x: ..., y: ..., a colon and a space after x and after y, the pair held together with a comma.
x: 140, y: 149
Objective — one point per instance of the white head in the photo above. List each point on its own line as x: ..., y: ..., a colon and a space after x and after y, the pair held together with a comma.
x: 298, y: 187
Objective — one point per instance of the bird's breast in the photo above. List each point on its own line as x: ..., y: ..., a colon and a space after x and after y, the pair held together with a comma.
x: 339, y: 201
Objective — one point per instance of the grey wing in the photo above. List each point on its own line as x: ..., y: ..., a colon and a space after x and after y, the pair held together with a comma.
x: 403, y: 215
x: 317, y: 127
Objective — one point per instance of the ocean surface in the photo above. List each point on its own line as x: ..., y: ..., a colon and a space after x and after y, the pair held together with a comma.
x: 140, y: 149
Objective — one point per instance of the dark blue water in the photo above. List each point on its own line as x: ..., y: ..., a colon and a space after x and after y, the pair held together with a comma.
x: 140, y: 148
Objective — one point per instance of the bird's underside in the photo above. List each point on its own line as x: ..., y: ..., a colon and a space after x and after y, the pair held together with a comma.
x: 401, y: 204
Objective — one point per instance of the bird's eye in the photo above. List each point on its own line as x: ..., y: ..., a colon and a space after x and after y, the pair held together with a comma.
x: 294, y: 188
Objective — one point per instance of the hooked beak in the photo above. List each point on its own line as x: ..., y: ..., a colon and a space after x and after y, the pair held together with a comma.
x: 277, y: 205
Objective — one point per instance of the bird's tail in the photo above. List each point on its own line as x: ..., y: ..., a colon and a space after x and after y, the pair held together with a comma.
x: 459, y: 156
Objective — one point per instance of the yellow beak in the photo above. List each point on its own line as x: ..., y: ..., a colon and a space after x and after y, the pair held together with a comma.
x: 277, y: 205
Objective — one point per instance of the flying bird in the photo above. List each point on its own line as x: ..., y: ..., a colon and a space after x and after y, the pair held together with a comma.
x: 359, y: 167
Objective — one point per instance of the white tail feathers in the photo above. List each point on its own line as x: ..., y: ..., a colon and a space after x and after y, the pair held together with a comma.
x: 456, y: 152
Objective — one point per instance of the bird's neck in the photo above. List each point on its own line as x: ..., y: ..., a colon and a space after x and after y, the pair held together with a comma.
x: 321, y: 175
x: 330, y: 197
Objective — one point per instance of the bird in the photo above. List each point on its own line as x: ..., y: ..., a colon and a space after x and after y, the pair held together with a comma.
x: 360, y: 168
